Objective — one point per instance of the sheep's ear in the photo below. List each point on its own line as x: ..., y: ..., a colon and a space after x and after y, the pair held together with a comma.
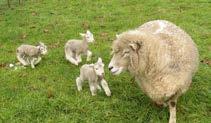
x: 82, y: 34
x: 135, y: 46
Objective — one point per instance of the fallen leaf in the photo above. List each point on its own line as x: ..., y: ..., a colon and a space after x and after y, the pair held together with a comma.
x: 45, y: 30
x: 23, y: 36
x: 34, y: 13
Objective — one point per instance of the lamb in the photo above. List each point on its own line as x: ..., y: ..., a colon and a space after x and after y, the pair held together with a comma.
x: 31, y: 55
x: 162, y: 57
x: 94, y: 73
x: 75, y: 48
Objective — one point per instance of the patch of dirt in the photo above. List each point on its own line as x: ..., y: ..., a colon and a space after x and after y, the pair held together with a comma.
x: 209, y: 47
x: 3, y: 65
x: 104, y: 34
x: 23, y: 36
x: 54, y: 45
x: 206, y: 61
x: 85, y: 25
x: 50, y: 93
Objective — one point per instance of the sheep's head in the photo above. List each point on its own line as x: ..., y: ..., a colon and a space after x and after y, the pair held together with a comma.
x: 99, y: 68
x: 43, y: 48
x: 89, y: 36
x: 125, y: 54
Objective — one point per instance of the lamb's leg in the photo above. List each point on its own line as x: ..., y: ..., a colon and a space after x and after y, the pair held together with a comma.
x: 89, y: 55
x: 69, y: 57
x: 172, y: 109
x: 98, y: 87
x: 78, y: 58
x: 37, y: 60
x: 93, y: 88
x: 22, y: 60
x: 104, y: 84
x: 79, y: 83
x: 32, y: 63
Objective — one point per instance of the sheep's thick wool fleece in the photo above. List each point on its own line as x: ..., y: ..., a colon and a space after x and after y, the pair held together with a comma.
x: 167, y: 59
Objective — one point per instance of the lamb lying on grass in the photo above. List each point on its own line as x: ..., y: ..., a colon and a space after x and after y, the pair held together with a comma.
x: 75, y: 48
x: 31, y: 55
x: 94, y: 73
x: 162, y: 57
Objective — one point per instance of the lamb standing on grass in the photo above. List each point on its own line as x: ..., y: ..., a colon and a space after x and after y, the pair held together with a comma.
x: 162, y: 57
x: 94, y: 73
x: 31, y: 55
x: 75, y: 48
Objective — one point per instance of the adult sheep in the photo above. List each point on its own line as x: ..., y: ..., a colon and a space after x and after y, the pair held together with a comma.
x: 162, y: 57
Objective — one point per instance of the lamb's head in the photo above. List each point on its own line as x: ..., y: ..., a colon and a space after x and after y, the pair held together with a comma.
x: 43, y: 48
x: 99, y: 68
x: 88, y: 36
x: 125, y: 53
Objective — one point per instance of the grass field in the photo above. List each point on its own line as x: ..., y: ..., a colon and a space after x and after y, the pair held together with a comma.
x: 48, y: 93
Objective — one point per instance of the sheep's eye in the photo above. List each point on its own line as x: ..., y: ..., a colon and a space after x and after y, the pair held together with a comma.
x: 96, y: 68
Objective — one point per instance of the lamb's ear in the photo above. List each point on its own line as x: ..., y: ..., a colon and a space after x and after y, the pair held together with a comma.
x: 88, y: 32
x: 82, y: 34
x: 117, y: 36
x: 135, y: 46
x: 41, y: 44
x: 99, y: 60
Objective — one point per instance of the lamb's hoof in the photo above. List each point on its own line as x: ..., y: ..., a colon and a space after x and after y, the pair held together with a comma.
x: 94, y: 94
x: 79, y: 89
x: 108, y: 94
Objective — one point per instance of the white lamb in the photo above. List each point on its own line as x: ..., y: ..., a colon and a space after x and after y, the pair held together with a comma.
x: 31, y: 55
x: 75, y: 48
x: 94, y: 73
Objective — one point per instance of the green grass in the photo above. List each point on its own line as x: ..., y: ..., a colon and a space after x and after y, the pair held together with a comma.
x: 48, y: 93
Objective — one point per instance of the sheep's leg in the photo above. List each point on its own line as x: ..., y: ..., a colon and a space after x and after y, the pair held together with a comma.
x: 22, y: 60
x: 172, y: 109
x: 89, y: 55
x: 70, y: 58
x: 93, y: 88
x: 37, y: 61
x: 79, y: 83
x: 104, y: 84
